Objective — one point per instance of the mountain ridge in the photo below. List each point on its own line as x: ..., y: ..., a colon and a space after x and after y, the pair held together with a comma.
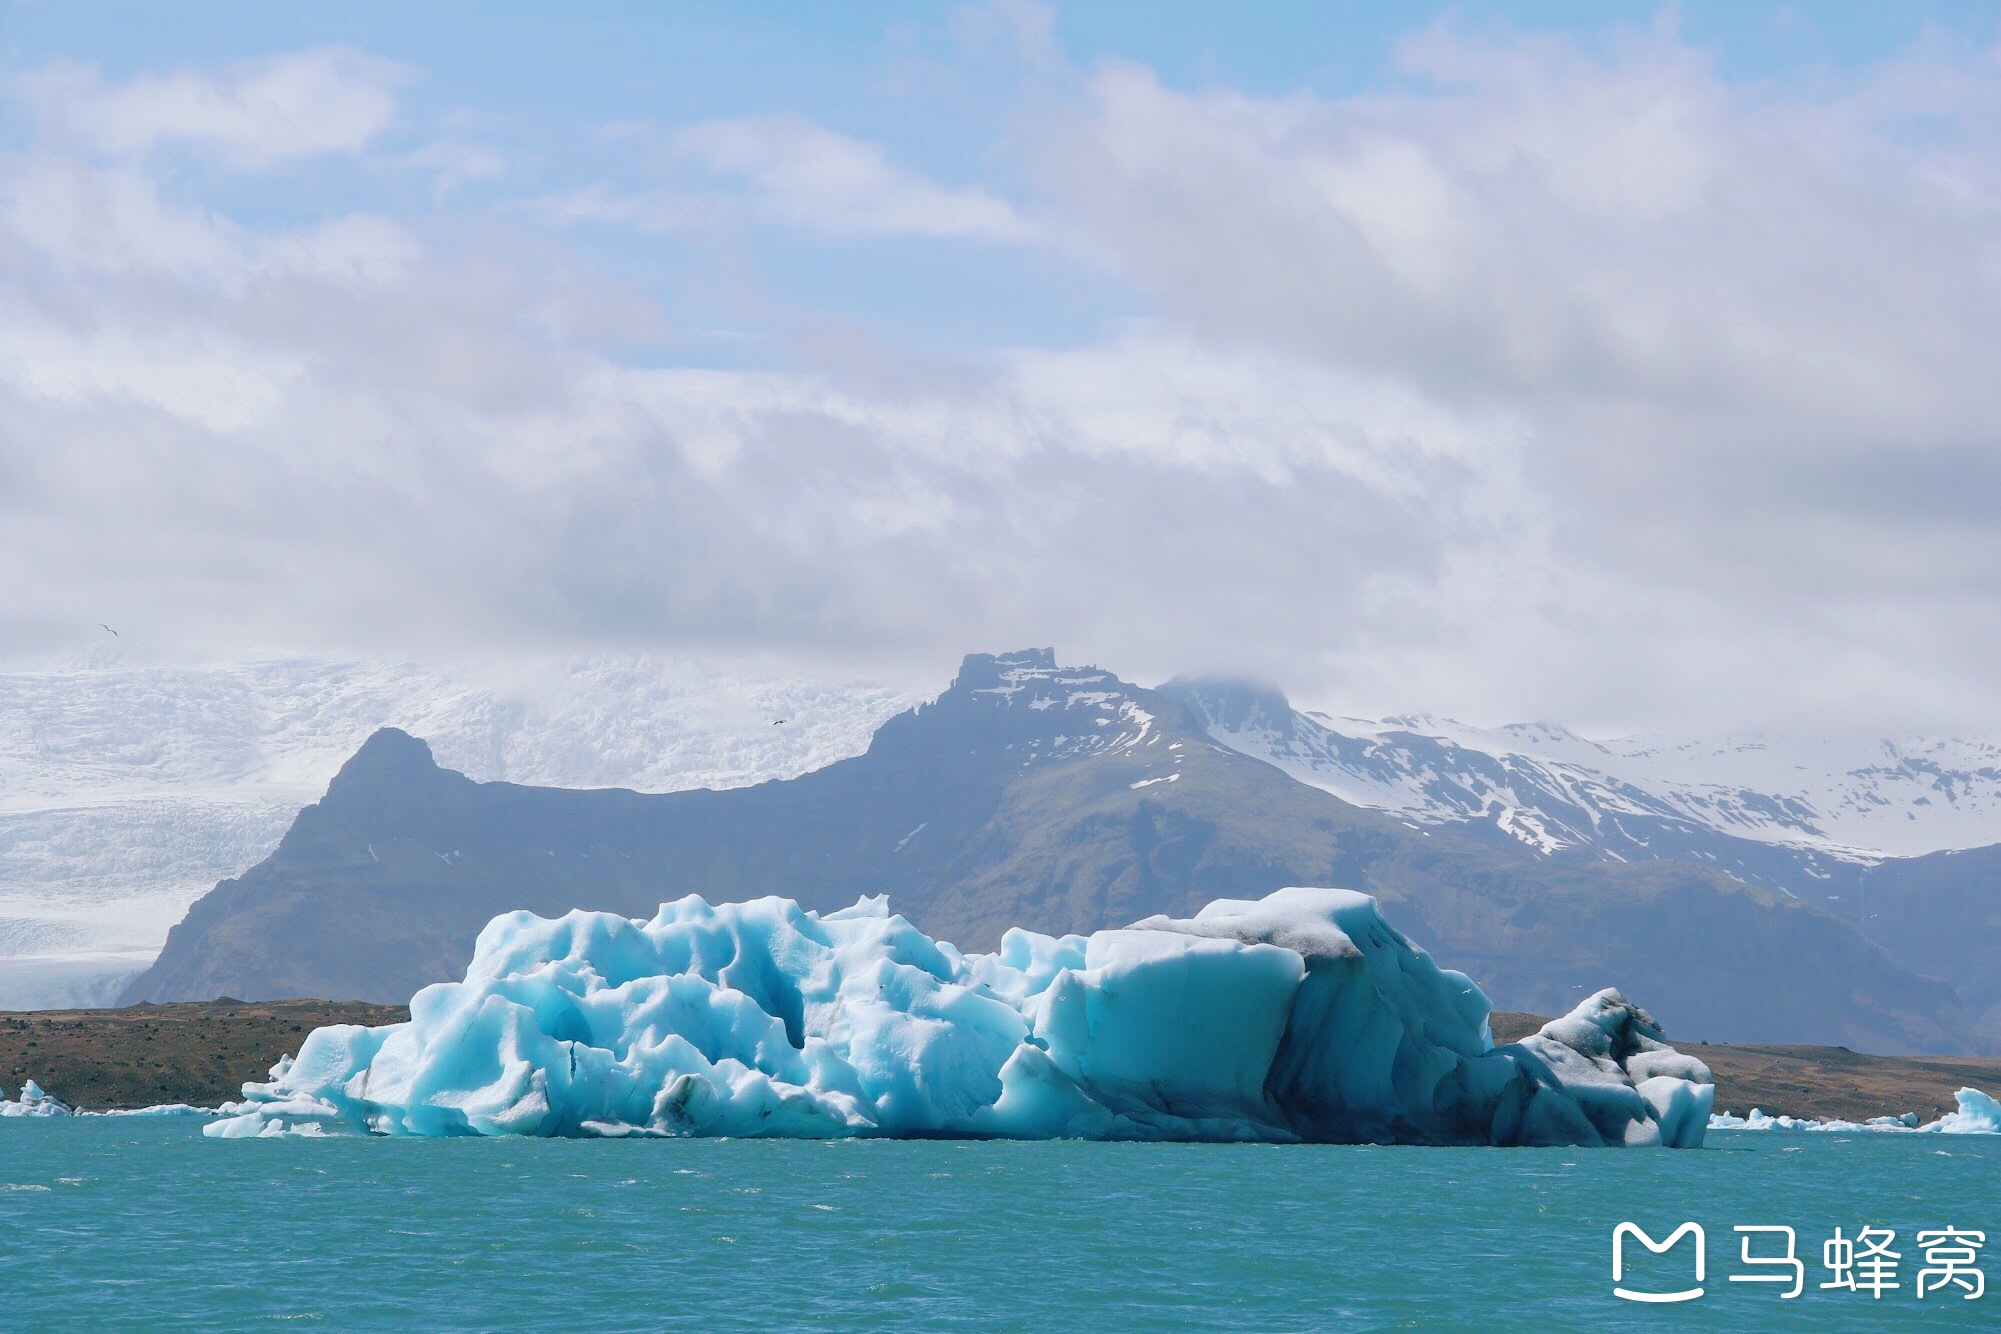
x: 1028, y: 793
x: 1837, y: 797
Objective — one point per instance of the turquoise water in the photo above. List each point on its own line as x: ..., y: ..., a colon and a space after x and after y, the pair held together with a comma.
x: 124, y: 1223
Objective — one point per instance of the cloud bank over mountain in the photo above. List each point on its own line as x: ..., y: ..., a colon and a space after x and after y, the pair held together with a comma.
x: 1531, y: 374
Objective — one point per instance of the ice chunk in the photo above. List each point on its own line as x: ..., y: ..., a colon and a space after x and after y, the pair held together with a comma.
x: 1977, y: 1114
x: 161, y: 1109
x: 1300, y: 1016
x: 34, y: 1102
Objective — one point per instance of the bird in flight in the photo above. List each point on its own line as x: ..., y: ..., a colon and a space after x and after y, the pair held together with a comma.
x: 108, y: 630
x: 780, y: 722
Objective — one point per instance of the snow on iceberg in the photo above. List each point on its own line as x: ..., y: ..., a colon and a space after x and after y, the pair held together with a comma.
x: 1302, y: 1016
x: 34, y: 1102
x: 1977, y: 1114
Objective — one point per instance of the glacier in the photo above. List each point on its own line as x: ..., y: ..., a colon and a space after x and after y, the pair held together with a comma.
x: 1303, y: 1016
x: 130, y: 788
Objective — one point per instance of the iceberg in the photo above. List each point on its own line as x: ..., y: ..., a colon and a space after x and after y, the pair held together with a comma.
x: 1977, y: 1114
x: 34, y: 1102
x: 1303, y: 1016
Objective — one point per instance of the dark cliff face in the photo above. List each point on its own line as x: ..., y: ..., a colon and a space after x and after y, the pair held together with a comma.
x: 391, y: 766
x: 1033, y: 794
x: 1942, y: 914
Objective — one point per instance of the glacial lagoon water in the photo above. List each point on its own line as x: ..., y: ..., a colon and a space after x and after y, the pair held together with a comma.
x: 122, y: 1223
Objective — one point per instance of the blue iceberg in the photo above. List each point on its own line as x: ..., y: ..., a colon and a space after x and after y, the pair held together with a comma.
x: 1303, y: 1016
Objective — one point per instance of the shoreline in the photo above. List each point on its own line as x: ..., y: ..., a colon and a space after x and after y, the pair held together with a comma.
x: 197, y: 1052
x: 202, y: 1052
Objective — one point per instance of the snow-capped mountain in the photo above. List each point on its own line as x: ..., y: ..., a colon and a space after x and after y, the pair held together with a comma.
x: 1805, y: 814
x: 1069, y: 711
x: 126, y: 792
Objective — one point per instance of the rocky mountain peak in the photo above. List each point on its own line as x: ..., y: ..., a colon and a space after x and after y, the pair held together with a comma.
x: 1235, y: 704
x: 390, y: 759
x: 1028, y: 701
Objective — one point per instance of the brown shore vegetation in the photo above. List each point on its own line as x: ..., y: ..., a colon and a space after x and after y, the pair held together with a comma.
x: 145, y: 1055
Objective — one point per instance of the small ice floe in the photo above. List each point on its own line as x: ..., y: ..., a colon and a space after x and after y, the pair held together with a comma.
x: 297, y: 1115
x: 276, y: 1128
x: 1978, y: 1114
x: 160, y: 1109
x: 34, y: 1102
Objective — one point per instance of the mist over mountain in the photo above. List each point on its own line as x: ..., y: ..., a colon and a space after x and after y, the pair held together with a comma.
x: 127, y: 790
x: 1033, y: 794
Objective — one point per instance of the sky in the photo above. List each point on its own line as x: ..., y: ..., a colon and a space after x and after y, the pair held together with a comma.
x: 1627, y: 365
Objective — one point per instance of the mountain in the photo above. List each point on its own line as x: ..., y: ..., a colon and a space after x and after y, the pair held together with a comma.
x: 1941, y: 914
x: 1029, y: 793
x: 128, y: 790
x: 1804, y: 816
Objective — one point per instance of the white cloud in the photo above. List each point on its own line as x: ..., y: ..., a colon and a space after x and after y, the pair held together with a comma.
x: 1744, y: 338
x: 104, y: 222
x: 357, y: 251
x: 1020, y: 28
x: 259, y: 115
x: 806, y: 176
x: 216, y: 384
x: 88, y: 219
x: 274, y: 447
x: 1576, y: 384
x: 453, y: 163
x: 644, y: 211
